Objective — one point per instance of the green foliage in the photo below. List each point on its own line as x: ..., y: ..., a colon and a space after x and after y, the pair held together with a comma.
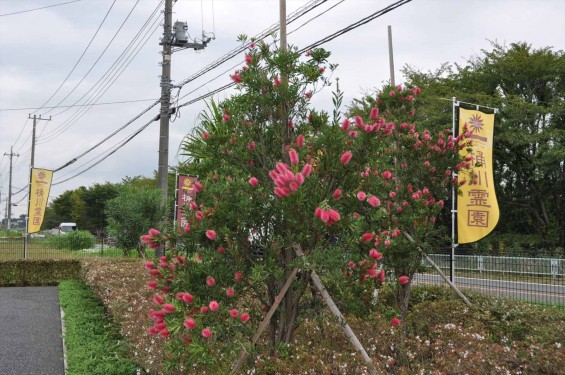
x: 93, y: 344
x: 37, y: 272
x: 526, y: 84
x: 130, y: 213
x: 76, y: 240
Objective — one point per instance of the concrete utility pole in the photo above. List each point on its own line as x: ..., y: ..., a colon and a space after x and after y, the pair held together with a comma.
x: 11, y: 155
x: 35, y: 118
x: 390, y: 56
x: 179, y: 39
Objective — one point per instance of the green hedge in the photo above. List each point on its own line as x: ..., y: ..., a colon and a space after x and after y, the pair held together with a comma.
x: 38, y: 272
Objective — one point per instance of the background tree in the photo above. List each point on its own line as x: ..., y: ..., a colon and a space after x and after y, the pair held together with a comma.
x: 527, y: 85
x: 130, y: 213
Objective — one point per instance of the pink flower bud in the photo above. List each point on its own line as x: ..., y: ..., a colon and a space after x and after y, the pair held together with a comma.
x: 189, y: 323
x: 211, y: 234
x: 206, y: 333
x: 210, y: 281
x: 214, y: 306
x: 361, y: 196
x: 253, y: 181
x: 337, y: 193
x: 245, y: 317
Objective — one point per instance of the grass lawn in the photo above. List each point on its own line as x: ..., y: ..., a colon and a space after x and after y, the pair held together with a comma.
x: 441, y: 335
x: 13, y: 248
x: 94, y: 346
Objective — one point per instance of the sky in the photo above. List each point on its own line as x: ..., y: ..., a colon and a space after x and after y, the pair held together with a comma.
x: 39, y: 51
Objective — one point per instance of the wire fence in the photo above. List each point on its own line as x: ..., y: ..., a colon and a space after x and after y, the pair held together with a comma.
x: 532, y: 279
x: 55, y: 247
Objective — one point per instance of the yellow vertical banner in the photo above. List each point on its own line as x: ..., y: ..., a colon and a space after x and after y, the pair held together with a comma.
x: 477, y: 208
x: 38, y: 194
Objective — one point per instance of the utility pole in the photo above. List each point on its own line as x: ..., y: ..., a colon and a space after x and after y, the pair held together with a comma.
x: 35, y: 118
x: 11, y: 155
x: 390, y: 56
x: 163, y: 168
x: 178, y: 39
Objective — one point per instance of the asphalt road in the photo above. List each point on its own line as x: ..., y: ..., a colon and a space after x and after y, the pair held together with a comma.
x: 30, y: 325
x: 532, y: 292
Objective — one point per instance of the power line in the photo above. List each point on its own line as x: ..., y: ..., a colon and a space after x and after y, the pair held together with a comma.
x: 100, y: 56
x: 77, y: 105
x: 32, y: 10
x: 106, y: 84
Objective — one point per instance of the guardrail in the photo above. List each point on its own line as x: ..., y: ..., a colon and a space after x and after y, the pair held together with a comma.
x: 553, y: 267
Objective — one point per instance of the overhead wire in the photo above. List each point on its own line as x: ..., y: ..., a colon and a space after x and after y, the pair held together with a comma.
x: 79, y: 105
x: 34, y: 9
x: 108, y: 79
x: 326, y: 39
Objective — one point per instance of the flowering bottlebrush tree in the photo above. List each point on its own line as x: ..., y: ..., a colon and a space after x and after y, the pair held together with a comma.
x: 275, y: 175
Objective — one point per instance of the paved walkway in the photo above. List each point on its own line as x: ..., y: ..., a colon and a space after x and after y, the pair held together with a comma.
x: 30, y: 331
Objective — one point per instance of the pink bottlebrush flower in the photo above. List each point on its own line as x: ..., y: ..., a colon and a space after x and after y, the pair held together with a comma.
x: 392, y: 194
x: 152, y: 284
x: 356, y: 215
x: 346, y: 157
x: 234, y: 313
x: 366, y: 237
x: 321, y: 69
x: 168, y: 308
x: 399, y: 87
x: 252, y: 45
x: 238, y: 276
x: 199, y: 215
x: 387, y: 243
x: 211, y: 234
x: 403, y: 280
x: 154, y: 232
x: 158, y: 299
x: 387, y: 175
x: 353, y: 134
x: 411, y: 112
x: 153, y: 331
x: 373, y: 253
x: 210, y: 281
x: 440, y: 203
x: 214, y: 306
x: 281, y: 168
x: 230, y: 292
x: 425, y: 191
x: 351, y: 264
x: 221, y: 250
x: 307, y: 169
x: 374, y: 201
x: 164, y: 333
x: 374, y: 113
x: 186, y: 228
x: 426, y: 163
x: 197, y: 186
x: 248, y: 59
x: 293, y: 156
x: 308, y: 95
x: 291, y: 124
x: 149, y: 265
x: 300, y: 141
x: 193, y: 206
x: 205, y: 135
x: 187, y: 298
x: 225, y: 118
x: 253, y: 181
x: 236, y: 77
x: 206, y: 333
x: 293, y: 186
x: 381, y: 276
x: 359, y: 121
x: 334, y: 216
x: 325, y: 216
x: 395, y: 322
x: 204, y: 310
x: 299, y: 178
x: 308, y: 53
x: 245, y: 317
x: 392, y: 93
x: 337, y: 194
x: 395, y: 233
x: 345, y: 125
x: 361, y: 196
x: 154, y: 272
x: 410, y: 98
x: 318, y: 212
x: 189, y: 323
x: 251, y: 146
x: 277, y: 81
x: 163, y: 264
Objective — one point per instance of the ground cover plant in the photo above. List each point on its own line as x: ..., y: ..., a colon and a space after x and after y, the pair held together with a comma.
x: 440, y: 335
x: 93, y: 344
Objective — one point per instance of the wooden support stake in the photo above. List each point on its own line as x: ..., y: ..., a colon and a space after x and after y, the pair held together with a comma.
x: 341, y: 319
x: 430, y: 261
x: 244, y: 354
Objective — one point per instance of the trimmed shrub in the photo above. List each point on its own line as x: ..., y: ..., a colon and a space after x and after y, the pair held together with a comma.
x: 78, y: 240
x: 38, y: 272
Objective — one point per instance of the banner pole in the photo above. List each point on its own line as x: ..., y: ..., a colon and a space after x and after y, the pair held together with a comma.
x: 176, y: 200
x: 453, y: 209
